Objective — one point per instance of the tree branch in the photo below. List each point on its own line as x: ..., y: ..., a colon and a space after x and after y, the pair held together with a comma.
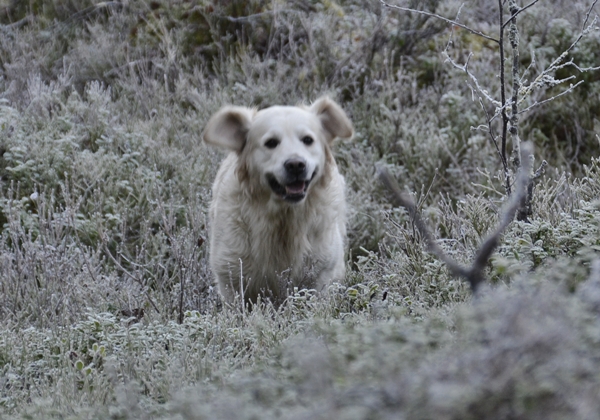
x: 400, y: 198
x: 518, y: 11
x: 507, y: 184
x: 18, y: 24
x: 571, y: 88
x: 474, y: 274
x: 490, y: 129
x: 513, y: 37
x: 452, y: 22
x: 556, y: 64
x: 477, y: 86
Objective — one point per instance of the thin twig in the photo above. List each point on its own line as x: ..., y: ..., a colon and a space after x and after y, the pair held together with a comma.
x: 88, y: 11
x: 249, y: 18
x: 465, y: 68
x: 473, y: 78
x: 493, y: 135
x: 522, y: 9
x: 18, y: 24
x: 584, y: 30
x: 452, y: 22
x: 583, y: 69
x: 125, y: 271
x: 587, y: 15
x: 571, y: 88
x: 544, y: 77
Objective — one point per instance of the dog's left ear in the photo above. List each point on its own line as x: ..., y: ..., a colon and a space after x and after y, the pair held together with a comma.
x: 333, y: 118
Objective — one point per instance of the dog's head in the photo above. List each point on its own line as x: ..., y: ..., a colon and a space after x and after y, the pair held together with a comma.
x: 282, y: 149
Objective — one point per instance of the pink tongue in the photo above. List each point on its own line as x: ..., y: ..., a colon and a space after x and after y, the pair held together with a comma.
x: 295, y: 187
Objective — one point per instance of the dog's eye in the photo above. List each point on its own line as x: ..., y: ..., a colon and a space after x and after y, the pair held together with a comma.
x: 308, y: 140
x: 271, y: 143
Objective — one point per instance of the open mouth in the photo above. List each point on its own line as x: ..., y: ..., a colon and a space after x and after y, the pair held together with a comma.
x: 293, y: 191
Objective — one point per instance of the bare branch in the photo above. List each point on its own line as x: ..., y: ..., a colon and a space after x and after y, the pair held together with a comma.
x: 465, y: 68
x: 503, y: 99
x: 433, y: 15
x: 571, y: 88
x: 490, y: 130
x: 474, y: 274
x: 556, y: 64
x: 522, y: 9
x: 513, y: 36
x: 587, y: 15
x: 250, y: 18
x: 583, y: 69
x: 506, y: 216
x: 18, y: 24
x: 531, y: 64
x: 400, y: 198
x: 89, y: 11
x: 472, y: 77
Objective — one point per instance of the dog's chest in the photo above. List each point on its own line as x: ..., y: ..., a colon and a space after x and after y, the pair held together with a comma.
x: 279, y: 241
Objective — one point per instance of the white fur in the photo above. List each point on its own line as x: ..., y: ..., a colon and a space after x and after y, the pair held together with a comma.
x: 276, y: 239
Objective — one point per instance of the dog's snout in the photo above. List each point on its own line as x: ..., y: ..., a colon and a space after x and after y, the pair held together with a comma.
x: 295, y: 166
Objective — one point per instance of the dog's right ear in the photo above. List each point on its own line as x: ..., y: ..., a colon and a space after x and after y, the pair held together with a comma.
x: 229, y: 127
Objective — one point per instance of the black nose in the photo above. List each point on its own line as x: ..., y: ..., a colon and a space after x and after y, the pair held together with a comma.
x: 295, y: 166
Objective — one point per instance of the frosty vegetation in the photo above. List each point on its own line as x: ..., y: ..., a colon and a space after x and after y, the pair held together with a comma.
x: 108, y: 307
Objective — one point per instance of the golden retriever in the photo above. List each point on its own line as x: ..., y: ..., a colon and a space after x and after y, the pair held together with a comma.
x: 278, y: 212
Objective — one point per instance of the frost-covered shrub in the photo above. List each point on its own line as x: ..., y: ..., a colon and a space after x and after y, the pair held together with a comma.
x: 108, y: 304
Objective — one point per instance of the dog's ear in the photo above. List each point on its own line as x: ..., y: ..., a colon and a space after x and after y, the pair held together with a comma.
x: 229, y: 127
x: 333, y: 118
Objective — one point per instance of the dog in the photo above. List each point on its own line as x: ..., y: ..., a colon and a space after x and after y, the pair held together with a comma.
x: 278, y: 212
